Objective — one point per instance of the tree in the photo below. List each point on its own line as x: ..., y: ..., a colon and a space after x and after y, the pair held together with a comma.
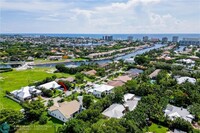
x: 131, y: 86
x: 87, y: 101
x: 141, y: 59
x: 195, y: 110
x: 11, y: 116
x: 50, y: 103
x: 43, y: 119
x: 73, y: 126
x: 47, y: 93
x: 90, y: 115
x: 79, y: 77
x: 181, y: 124
x: 108, y: 126
x: 118, y: 94
x: 34, y: 109
x: 130, y: 126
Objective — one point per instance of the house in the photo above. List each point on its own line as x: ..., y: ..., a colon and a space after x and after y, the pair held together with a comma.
x: 154, y: 74
x: 65, y: 110
x: 99, y: 89
x: 124, y: 78
x: 114, y: 111
x: 30, y: 58
x: 119, y: 81
x: 115, y: 83
x: 186, y: 61
x: 26, y: 93
x: 50, y: 85
x: 105, y: 66
x: 130, y: 60
x: 131, y: 101
x: 90, y: 73
x: 178, y: 131
x: 181, y: 80
x: 69, y: 79
x: 55, y: 58
x: 174, y: 112
x: 72, y: 66
x: 134, y: 72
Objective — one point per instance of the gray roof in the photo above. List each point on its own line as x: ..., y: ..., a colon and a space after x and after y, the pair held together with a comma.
x: 114, y: 111
x: 174, y: 112
x: 178, y: 131
x: 132, y: 104
x: 134, y: 71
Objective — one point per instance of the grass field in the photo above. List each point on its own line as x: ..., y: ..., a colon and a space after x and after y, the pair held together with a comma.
x: 157, y: 129
x: 51, y: 127
x: 16, y: 79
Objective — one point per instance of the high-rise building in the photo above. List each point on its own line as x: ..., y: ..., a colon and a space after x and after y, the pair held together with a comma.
x: 154, y: 40
x: 145, y: 38
x: 130, y: 38
x: 175, y: 39
x: 164, y: 39
x: 108, y: 38
x: 190, y: 41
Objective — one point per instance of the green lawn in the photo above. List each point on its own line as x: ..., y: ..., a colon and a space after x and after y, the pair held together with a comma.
x: 79, y: 59
x: 36, y: 61
x: 51, y: 127
x: 156, y: 129
x: 16, y: 79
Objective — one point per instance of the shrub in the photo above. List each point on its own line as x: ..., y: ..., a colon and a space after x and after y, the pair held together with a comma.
x: 43, y: 119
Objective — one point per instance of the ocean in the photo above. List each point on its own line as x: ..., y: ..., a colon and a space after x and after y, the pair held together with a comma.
x: 115, y: 36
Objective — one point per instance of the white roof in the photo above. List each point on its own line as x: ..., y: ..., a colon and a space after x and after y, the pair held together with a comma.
x: 132, y: 104
x: 102, y: 88
x: 128, y: 96
x: 174, y: 112
x: 184, y: 79
x: 50, y: 85
x: 188, y: 61
x: 25, y: 92
x: 114, y: 111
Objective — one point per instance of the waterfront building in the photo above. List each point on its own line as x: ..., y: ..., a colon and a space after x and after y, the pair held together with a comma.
x: 108, y: 38
x: 145, y: 38
x: 190, y: 41
x: 130, y: 38
x: 164, y: 39
x: 175, y: 39
x: 154, y: 40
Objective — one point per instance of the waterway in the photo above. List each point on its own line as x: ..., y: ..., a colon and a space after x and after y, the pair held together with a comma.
x: 180, y: 48
x: 133, y: 54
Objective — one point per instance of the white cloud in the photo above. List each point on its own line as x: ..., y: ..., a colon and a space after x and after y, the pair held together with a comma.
x: 32, y: 5
x: 132, y: 16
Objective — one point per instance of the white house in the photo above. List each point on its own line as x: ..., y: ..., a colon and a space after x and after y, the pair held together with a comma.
x: 187, y: 61
x: 26, y: 93
x: 114, y: 111
x: 131, y: 101
x: 174, y: 112
x: 65, y: 110
x: 99, y: 89
x: 50, y: 85
x: 181, y: 80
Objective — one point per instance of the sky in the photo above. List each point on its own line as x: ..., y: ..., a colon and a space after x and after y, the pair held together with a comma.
x: 100, y: 16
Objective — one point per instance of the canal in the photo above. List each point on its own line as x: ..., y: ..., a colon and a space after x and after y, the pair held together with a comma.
x: 156, y: 46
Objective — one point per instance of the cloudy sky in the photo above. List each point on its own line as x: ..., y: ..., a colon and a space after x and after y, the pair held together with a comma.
x: 100, y: 16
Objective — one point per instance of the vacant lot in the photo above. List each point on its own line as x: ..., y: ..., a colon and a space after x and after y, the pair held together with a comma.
x: 16, y: 79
